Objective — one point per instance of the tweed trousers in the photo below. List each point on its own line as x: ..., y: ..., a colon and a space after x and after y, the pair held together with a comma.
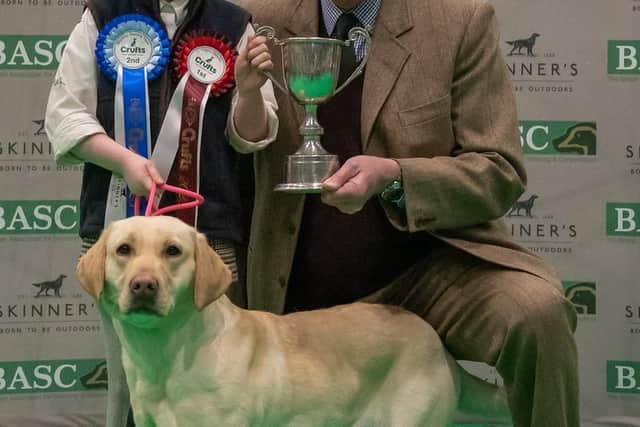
x: 510, y: 319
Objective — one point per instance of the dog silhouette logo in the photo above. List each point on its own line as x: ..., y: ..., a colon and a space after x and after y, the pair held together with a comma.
x: 520, y: 44
x: 97, y: 378
x: 524, y: 206
x: 50, y: 285
x: 578, y: 139
x: 583, y: 297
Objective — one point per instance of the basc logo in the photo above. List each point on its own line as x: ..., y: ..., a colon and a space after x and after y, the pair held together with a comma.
x: 623, y: 377
x: 623, y: 57
x: 558, y: 138
x: 582, y: 295
x: 52, y: 376
x: 623, y: 219
x: 39, y: 216
x: 32, y: 52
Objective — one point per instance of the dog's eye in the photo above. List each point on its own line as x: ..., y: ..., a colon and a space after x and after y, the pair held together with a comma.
x: 173, y: 250
x: 123, y: 250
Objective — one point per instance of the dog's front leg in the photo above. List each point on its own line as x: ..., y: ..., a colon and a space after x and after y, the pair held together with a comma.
x: 145, y: 422
x: 160, y: 416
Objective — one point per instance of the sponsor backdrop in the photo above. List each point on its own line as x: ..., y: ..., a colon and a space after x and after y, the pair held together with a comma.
x: 575, y: 66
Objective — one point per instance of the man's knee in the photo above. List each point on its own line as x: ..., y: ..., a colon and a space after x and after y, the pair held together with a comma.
x: 540, y: 310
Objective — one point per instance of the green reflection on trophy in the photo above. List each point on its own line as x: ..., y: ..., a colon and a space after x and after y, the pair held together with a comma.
x: 311, y: 66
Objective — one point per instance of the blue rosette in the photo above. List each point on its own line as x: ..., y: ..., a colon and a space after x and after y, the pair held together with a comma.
x: 131, y: 50
x: 134, y: 23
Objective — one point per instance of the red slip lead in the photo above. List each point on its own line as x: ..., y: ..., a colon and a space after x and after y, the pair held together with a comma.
x: 197, y: 200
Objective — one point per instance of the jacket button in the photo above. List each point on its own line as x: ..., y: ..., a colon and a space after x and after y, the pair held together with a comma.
x: 422, y: 222
x: 291, y: 228
x: 282, y: 281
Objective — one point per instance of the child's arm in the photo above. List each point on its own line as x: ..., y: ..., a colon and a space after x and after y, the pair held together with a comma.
x: 136, y: 170
x: 71, y: 123
x: 253, y: 122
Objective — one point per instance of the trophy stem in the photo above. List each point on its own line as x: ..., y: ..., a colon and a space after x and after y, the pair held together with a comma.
x: 311, y: 164
x: 310, y: 126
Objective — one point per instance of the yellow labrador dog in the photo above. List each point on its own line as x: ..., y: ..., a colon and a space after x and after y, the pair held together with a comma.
x: 193, y: 359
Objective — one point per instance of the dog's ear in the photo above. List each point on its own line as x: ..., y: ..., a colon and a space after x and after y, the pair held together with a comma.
x: 90, y: 269
x: 212, y: 276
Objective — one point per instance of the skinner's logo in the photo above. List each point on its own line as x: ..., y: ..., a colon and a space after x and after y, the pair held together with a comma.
x: 50, y: 285
x: 519, y: 44
x: 39, y: 127
x: 538, y: 65
x: 523, y: 207
x: 532, y: 221
x: 582, y: 295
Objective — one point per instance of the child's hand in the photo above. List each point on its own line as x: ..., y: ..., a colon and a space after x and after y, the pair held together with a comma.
x: 253, y: 59
x: 139, y: 173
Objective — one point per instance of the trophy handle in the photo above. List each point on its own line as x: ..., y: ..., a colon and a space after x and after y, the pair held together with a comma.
x: 354, y: 33
x: 270, y: 33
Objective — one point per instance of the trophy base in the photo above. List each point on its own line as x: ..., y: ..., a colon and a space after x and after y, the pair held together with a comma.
x: 306, y: 172
x: 299, y: 188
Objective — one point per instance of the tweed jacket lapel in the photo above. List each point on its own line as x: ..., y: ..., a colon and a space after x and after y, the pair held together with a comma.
x: 303, y: 19
x: 386, y: 60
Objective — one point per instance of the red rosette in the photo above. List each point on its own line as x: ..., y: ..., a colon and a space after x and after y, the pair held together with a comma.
x: 204, y: 38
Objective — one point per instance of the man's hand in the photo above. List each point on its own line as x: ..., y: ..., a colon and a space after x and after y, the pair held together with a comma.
x: 360, y: 178
x: 251, y: 61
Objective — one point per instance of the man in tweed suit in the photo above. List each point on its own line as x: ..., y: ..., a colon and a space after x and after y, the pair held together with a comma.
x: 433, y: 122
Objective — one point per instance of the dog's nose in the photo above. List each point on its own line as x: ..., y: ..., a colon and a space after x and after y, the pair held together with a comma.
x: 143, y: 286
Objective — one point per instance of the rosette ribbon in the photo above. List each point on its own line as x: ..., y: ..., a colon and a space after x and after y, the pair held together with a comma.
x: 131, y: 49
x: 204, y: 64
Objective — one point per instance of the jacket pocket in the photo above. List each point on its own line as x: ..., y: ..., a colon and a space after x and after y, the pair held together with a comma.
x: 426, y: 112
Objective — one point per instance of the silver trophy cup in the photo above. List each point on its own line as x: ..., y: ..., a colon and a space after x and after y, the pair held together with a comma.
x: 311, y: 66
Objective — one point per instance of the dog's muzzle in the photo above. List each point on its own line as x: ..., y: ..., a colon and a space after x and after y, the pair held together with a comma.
x: 143, y: 292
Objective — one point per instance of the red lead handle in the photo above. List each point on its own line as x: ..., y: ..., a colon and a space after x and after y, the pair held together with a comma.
x: 197, y: 200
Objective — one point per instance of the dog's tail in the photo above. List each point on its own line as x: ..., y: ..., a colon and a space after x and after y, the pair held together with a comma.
x: 480, y: 401
x: 37, y: 285
x: 510, y: 42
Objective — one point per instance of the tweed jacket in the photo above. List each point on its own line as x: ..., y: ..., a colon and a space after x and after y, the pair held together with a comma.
x: 437, y: 98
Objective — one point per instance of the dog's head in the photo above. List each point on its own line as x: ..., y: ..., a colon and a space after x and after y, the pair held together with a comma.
x: 147, y: 262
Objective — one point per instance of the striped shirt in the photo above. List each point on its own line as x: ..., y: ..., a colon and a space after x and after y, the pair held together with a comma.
x: 366, y: 12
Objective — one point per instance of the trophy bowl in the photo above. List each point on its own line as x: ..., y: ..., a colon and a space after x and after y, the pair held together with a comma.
x: 311, y: 66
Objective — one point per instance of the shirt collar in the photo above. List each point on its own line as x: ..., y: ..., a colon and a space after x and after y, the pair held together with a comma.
x: 179, y: 6
x: 366, y: 12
